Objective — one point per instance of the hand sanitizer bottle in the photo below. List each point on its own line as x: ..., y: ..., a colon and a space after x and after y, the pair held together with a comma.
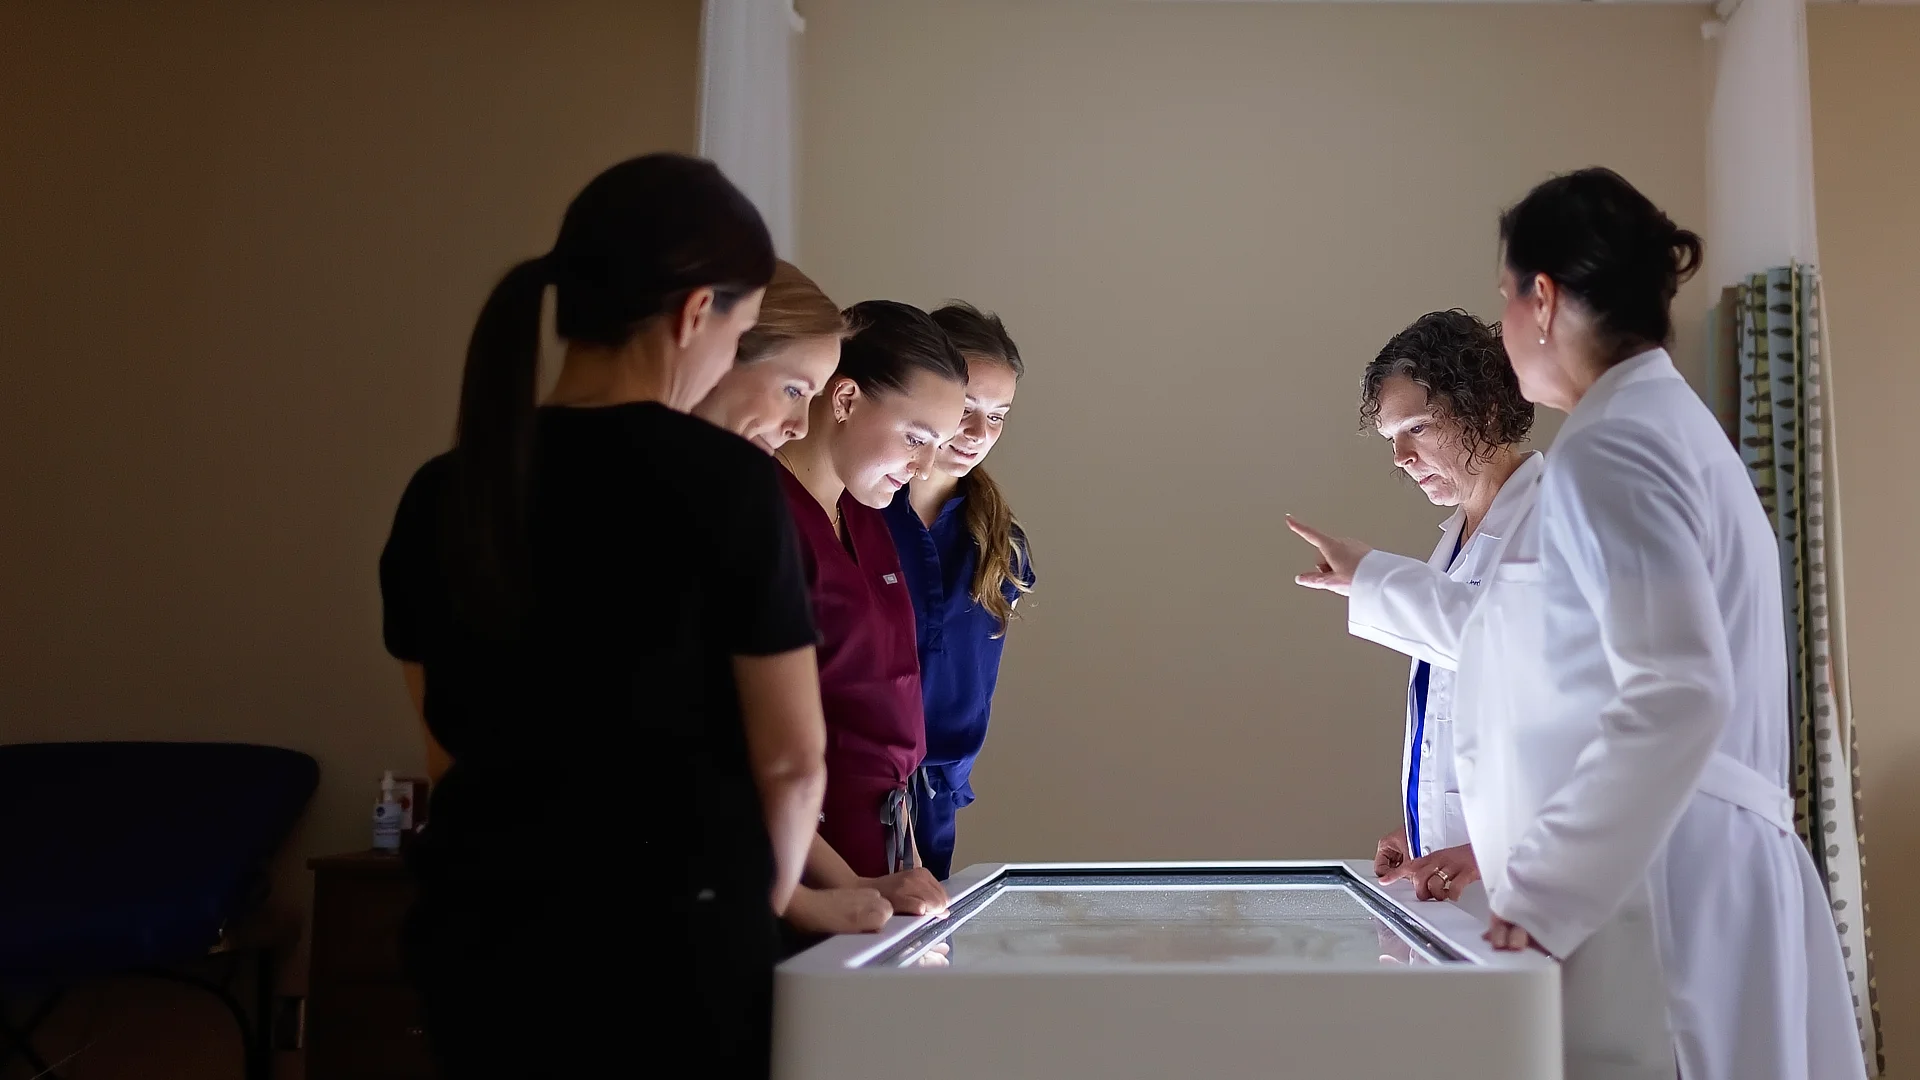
x: 386, y: 817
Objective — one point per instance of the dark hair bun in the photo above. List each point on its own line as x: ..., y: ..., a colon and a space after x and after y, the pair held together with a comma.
x: 1603, y: 242
x: 1689, y: 254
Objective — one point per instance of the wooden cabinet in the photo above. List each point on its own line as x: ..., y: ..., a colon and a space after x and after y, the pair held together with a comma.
x: 363, y: 1020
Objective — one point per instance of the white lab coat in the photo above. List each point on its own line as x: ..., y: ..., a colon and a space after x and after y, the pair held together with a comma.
x: 1622, y: 746
x: 1420, y: 609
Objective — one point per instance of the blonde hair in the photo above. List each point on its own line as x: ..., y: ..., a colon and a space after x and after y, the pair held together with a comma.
x: 793, y: 309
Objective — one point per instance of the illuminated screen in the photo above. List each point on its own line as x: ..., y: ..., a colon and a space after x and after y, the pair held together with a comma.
x: 1085, y: 922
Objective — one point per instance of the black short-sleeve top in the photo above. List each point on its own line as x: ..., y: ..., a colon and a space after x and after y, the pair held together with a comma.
x: 605, y: 724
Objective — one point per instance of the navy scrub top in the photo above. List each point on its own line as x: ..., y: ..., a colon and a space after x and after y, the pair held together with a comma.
x: 959, y: 664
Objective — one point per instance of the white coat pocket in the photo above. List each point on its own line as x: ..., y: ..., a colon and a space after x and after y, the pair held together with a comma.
x: 1517, y: 572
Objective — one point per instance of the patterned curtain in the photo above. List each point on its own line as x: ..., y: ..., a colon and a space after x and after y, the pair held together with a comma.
x: 1766, y: 382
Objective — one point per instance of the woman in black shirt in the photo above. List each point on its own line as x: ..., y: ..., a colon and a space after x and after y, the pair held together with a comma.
x: 601, y: 613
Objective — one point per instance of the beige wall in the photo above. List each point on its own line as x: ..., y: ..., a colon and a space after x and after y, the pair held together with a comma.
x: 1865, y: 71
x: 241, y: 247
x: 1200, y: 221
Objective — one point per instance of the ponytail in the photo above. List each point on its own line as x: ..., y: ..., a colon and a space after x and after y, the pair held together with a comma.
x: 492, y: 447
x: 633, y: 245
x: 997, y: 536
x: 1002, y: 547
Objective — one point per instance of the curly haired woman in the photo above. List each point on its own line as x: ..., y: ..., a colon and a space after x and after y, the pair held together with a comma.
x: 1443, y: 394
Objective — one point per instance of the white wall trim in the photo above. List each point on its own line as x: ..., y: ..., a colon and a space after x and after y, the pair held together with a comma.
x: 747, y: 111
x: 1759, y: 142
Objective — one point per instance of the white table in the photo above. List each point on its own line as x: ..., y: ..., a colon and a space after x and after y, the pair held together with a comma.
x: 1062, y: 971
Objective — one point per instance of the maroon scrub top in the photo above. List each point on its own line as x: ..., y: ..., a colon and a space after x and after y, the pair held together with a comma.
x: 869, y: 674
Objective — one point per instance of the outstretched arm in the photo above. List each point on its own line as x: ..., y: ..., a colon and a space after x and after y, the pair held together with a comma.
x: 1392, y: 600
x: 1410, y: 607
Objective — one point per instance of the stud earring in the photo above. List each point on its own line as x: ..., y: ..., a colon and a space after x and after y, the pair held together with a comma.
x: 1543, y: 341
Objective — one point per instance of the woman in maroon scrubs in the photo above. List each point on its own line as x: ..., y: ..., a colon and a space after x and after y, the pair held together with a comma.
x: 897, y: 395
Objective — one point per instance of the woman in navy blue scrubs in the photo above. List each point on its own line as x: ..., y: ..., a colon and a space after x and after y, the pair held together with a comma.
x: 967, y: 563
